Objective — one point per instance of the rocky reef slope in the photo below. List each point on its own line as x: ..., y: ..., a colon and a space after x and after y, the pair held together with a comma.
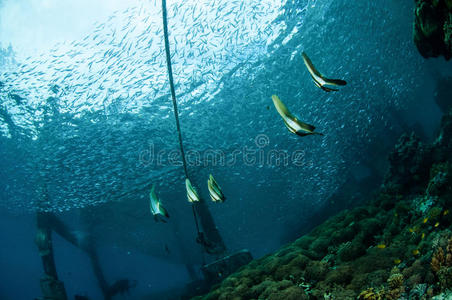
x: 398, y: 246
x: 433, y: 28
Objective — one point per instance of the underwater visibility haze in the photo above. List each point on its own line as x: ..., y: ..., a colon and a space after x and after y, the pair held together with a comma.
x: 145, y: 163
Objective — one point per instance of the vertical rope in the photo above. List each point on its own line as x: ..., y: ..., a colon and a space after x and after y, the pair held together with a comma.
x: 173, y: 95
x: 171, y: 81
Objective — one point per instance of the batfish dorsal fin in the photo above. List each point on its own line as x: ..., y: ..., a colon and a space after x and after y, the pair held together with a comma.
x: 152, y: 193
x: 321, y: 80
x: 281, y: 108
x: 310, y: 65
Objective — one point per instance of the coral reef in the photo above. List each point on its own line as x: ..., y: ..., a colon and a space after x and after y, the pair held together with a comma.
x: 395, y: 285
x: 443, y: 296
x: 370, y: 294
x: 442, y: 265
x: 397, y: 246
x: 433, y: 28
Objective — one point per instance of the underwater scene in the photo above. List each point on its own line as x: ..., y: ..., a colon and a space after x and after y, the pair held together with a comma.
x: 225, y: 149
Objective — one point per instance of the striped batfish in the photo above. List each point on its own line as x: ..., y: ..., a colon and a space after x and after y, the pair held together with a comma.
x: 320, y: 80
x: 157, y: 210
x: 291, y: 122
x: 192, y: 194
x: 214, y: 190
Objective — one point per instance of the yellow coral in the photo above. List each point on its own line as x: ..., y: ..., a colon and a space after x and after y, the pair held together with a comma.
x: 441, y: 258
x: 437, y: 260
x: 395, y: 290
x: 394, y: 294
x: 395, y: 283
x: 370, y: 294
x: 441, y: 265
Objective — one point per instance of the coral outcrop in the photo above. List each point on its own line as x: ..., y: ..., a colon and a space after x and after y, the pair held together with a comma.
x: 433, y: 28
x: 409, y: 164
x: 442, y: 265
x: 398, y: 246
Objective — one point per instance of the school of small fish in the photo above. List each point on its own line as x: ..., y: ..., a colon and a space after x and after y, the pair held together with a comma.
x: 92, y: 118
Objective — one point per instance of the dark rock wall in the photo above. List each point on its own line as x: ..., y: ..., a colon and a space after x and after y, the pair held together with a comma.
x: 433, y: 28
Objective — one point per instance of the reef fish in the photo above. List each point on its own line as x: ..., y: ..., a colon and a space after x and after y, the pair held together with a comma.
x: 320, y: 80
x: 291, y: 122
x: 214, y: 190
x: 157, y: 210
x: 192, y: 194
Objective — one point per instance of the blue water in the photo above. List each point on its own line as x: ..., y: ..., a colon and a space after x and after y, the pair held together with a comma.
x: 89, y: 116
